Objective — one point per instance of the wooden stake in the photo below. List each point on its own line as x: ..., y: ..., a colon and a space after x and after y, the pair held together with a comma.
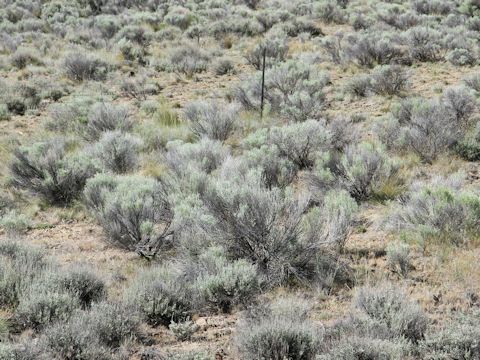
x: 263, y: 82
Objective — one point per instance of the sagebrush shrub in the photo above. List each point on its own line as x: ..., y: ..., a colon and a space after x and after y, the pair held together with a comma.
x: 48, y: 170
x: 456, y: 340
x: 4, y: 112
x: 359, y: 85
x: 462, y: 57
x: 390, y: 306
x: 280, y: 330
x: 333, y: 46
x: 92, y: 334
x: 139, y: 88
x: 275, y: 170
x: 427, y: 128
x: 23, y: 351
x: 105, y: 117
x: 330, y: 12
x: 39, y: 307
x: 134, y: 211
x: 224, y: 66
x: 74, y: 340
x: 343, y: 132
x: 398, y: 257
x: 275, y: 47
x: 183, y: 331
x: 260, y: 225
x: 211, y: 119
x: 179, y: 16
x: 330, y: 224
x: 461, y: 104
x: 473, y: 82
x: 68, y: 117
x: 222, y: 284
x: 23, y: 57
x: 389, y: 80
x: 424, y: 44
x: 15, y: 223
x: 185, y: 159
x: 363, y: 169
x: 137, y: 34
x: 302, y: 26
x: 301, y: 143
x: 427, y: 7
x: 160, y: 295
x: 20, y: 266
x: 469, y: 147
x: 370, y: 49
x: 79, y: 67
x: 294, y: 89
x: 113, y: 323
x: 80, y: 282
x: 363, y: 347
x: 438, y: 211
x: 188, y: 59
x: 133, y: 52
x: 107, y: 24
x: 117, y: 152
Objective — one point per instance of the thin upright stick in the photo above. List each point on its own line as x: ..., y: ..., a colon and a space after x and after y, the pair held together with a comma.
x: 263, y: 82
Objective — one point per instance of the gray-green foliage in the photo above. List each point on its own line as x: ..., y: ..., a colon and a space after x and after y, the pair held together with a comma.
x: 222, y: 284
x: 301, y: 143
x: 358, y: 347
x: 363, y: 169
x: 461, y: 104
x: 134, y: 211
x: 48, y: 169
x: 260, y: 155
x: 469, y: 147
x: 462, y: 57
x: 40, y: 306
x: 359, y: 86
x: 330, y: 224
x: 91, y: 334
x: 265, y: 224
x: 473, y: 81
x: 20, y: 265
x: 390, y: 307
x: 280, y: 330
x: 187, y: 59
x: 424, y: 44
x: 80, y: 67
x: 398, y: 257
x: 429, y: 128
x: 15, y: 223
x: 79, y: 281
x: 179, y: 16
x: 105, y: 117
x: 389, y: 80
x: 183, y: 330
x: 294, y: 89
x: 211, y: 119
x: 4, y: 113
x: 117, y: 152
x: 369, y: 49
x: 439, y: 211
x: 69, y: 116
x: 458, y: 339
x: 275, y: 47
x: 185, y: 159
x: 160, y: 295
x: 260, y: 225
x: 22, y: 351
